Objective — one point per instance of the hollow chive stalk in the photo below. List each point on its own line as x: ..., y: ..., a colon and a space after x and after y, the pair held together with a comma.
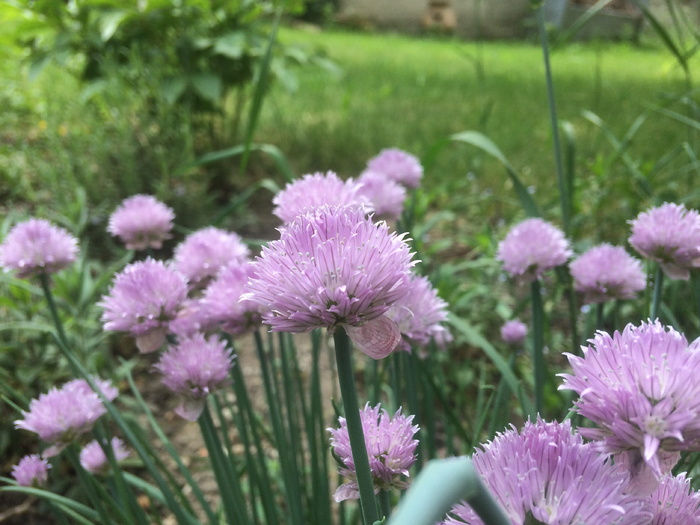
x: 538, y: 344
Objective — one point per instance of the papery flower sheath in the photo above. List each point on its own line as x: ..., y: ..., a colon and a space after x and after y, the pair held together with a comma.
x: 399, y: 166
x: 546, y: 473
x: 194, y: 368
x: 141, y: 222
x: 31, y: 471
x: 334, y: 267
x: 391, y: 448
x: 93, y: 457
x: 607, y: 272
x: 36, y: 246
x: 531, y: 248
x: 669, y: 235
x: 144, y: 298
x: 639, y: 388
x: 318, y: 189
x: 203, y: 253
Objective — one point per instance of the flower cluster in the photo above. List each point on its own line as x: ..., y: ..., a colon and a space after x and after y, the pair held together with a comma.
x: 546, y: 473
x: 399, y: 166
x: 93, y: 457
x: 391, y: 447
x: 669, y: 235
x: 221, y: 301
x: 143, y: 300
x: 311, y: 191
x: 636, y: 387
x: 531, y: 248
x: 31, y: 471
x: 35, y: 247
x: 607, y: 272
x: 141, y: 222
x: 514, y: 332
x: 385, y: 195
x: 195, y: 368
x: 62, y: 414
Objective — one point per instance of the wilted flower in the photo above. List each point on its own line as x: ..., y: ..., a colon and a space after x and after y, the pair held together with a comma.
x: 222, y: 304
x: 334, y: 267
x: 398, y: 166
x: 420, y: 314
x: 62, y: 414
x: 203, y: 253
x: 639, y: 388
x: 194, y: 368
x: 31, y: 471
x: 391, y: 448
x: 545, y: 474
x: 533, y: 247
x: 141, y: 222
x: 144, y: 299
x: 607, y: 272
x: 675, y: 502
x: 385, y: 195
x: 36, y: 246
x: 311, y: 191
x: 93, y: 457
x: 514, y: 332
x: 669, y: 235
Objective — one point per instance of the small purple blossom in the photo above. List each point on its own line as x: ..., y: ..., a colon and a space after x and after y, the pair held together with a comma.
x: 203, y: 253
x: 546, y: 474
x: 195, y: 368
x: 675, y: 502
x: 62, y: 414
x: 143, y: 300
x: 514, y: 332
x: 31, y: 471
x: 391, y: 448
x: 311, y: 191
x: 93, y: 457
x: 638, y: 387
x: 669, y: 235
x: 36, y: 246
x: 420, y: 315
x: 533, y: 247
x: 385, y: 195
x: 399, y: 166
x: 607, y: 272
x: 142, y: 222
x: 329, y: 268
x: 222, y: 304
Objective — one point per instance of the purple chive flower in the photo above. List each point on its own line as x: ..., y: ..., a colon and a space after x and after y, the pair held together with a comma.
x: 669, y: 235
x: 398, y: 166
x: 545, y: 474
x: 62, y: 414
x: 334, y: 267
x: 31, y: 471
x: 222, y: 304
x: 638, y: 387
x: 93, y: 457
x: 311, y: 191
x: 385, y: 195
x: 514, y: 332
x: 141, y: 222
x: 203, y: 253
x: 533, y: 247
x: 195, y: 368
x: 391, y: 448
x: 675, y: 502
x: 191, y: 318
x: 420, y: 315
x: 144, y: 299
x: 36, y: 246
x: 607, y: 272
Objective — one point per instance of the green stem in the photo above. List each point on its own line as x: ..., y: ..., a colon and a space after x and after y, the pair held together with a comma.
x: 600, y: 316
x: 656, y: 298
x: 538, y: 344
x: 385, y: 503
x: 343, y: 359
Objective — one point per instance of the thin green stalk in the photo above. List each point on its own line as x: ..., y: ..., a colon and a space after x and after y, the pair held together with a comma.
x: 346, y: 379
x: 90, y: 487
x: 600, y: 316
x: 501, y: 403
x: 538, y: 345
x: 414, y: 407
x: 656, y: 298
x: 385, y: 503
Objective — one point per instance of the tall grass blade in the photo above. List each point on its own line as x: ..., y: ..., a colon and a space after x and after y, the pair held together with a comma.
x: 665, y: 36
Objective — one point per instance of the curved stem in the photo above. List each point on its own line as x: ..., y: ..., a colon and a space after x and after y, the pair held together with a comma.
x: 343, y: 359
